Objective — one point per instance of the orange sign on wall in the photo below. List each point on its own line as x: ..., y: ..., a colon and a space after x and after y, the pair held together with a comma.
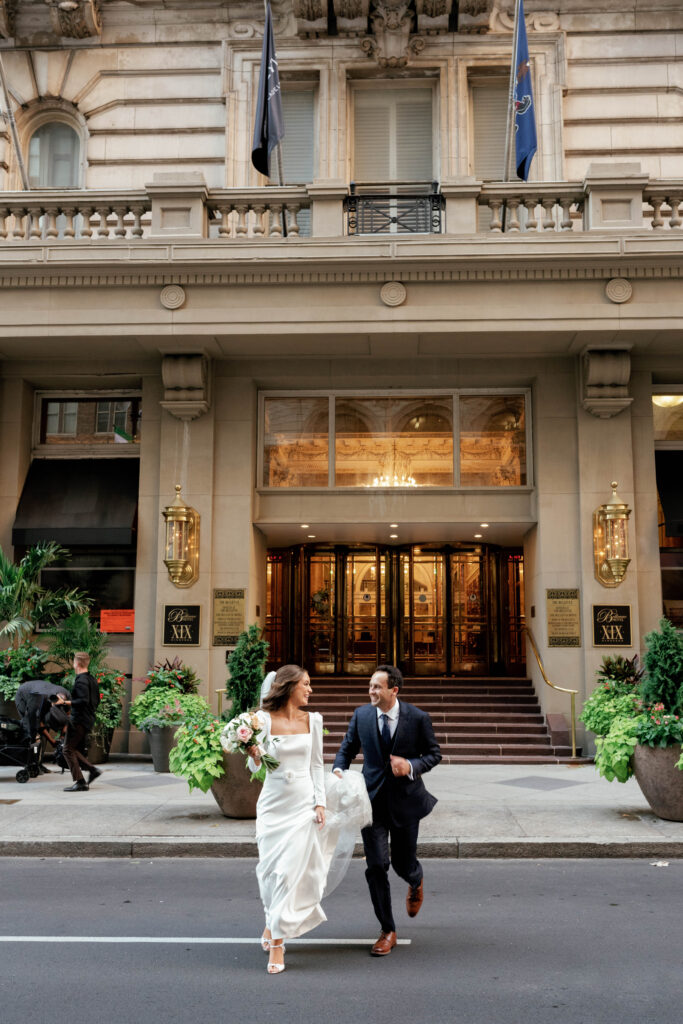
x: 117, y: 620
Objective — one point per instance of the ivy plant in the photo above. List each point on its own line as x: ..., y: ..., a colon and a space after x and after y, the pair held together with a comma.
x: 615, y: 750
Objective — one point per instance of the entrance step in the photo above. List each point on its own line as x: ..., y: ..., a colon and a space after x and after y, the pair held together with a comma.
x: 476, y: 720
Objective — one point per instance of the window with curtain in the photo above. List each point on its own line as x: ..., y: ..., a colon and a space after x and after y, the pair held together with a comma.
x: 54, y: 157
x: 393, y: 136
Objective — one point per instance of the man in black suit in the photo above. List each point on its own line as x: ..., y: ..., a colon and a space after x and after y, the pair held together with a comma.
x: 399, y: 746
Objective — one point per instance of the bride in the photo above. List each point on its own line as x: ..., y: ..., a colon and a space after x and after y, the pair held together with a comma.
x: 296, y: 849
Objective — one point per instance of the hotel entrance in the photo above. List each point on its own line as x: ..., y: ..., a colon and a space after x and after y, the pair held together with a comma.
x: 431, y: 610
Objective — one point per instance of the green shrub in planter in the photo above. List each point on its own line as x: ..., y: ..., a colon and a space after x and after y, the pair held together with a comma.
x: 17, y: 664
x: 168, y: 706
x: 172, y: 675
x: 246, y: 665
x: 198, y: 754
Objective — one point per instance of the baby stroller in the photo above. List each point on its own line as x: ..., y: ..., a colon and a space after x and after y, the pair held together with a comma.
x: 17, y: 749
x: 34, y: 701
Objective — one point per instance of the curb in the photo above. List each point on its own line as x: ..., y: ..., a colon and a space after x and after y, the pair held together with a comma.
x: 460, y: 849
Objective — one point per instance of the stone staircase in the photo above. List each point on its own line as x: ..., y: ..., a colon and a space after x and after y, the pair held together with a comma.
x: 476, y: 720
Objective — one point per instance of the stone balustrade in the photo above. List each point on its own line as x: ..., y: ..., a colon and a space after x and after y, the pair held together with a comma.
x: 664, y: 198
x: 47, y: 215
x: 258, y: 213
x: 177, y: 208
x: 532, y: 206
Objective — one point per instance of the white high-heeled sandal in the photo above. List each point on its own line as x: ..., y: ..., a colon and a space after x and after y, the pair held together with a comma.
x: 276, y: 968
x: 265, y: 944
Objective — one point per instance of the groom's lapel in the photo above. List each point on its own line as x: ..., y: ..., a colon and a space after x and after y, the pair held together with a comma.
x: 402, y: 726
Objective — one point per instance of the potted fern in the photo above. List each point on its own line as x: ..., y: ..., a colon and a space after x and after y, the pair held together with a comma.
x: 168, y: 699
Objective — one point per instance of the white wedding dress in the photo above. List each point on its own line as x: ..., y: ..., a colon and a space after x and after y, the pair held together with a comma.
x: 295, y: 855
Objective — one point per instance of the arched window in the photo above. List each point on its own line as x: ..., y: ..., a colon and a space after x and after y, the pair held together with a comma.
x: 54, y: 156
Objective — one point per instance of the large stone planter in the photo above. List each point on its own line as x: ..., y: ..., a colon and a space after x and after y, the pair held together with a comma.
x: 660, y: 780
x: 161, y: 743
x: 97, y: 754
x: 234, y: 793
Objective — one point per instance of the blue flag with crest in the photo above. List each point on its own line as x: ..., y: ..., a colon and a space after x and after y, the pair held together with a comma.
x: 526, y: 142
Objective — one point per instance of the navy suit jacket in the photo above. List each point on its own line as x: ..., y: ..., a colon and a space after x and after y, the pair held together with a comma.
x: 414, y: 739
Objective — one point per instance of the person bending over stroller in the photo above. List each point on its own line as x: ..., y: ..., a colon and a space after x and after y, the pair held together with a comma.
x: 85, y: 697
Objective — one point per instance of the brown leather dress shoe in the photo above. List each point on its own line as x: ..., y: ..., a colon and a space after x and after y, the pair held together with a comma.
x: 414, y: 899
x: 384, y: 944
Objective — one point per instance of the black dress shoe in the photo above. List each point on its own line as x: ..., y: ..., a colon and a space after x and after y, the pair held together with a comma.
x: 93, y: 774
x: 78, y: 787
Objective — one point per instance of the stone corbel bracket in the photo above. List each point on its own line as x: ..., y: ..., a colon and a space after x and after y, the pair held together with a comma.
x: 606, y: 376
x: 75, y: 19
x: 187, y: 386
x: 392, y: 43
x: 502, y: 19
x: 8, y: 11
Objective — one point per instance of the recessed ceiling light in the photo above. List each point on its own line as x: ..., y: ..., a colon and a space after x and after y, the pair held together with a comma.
x: 393, y: 526
x: 393, y: 536
x: 484, y: 526
x: 304, y: 526
x: 478, y: 536
x: 311, y: 536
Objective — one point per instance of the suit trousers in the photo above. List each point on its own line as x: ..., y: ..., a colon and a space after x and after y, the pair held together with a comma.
x: 387, y: 844
x: 76, y: 738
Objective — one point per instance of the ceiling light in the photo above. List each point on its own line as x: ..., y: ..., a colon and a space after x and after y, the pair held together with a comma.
x: 394, y: 526
x: 484, y: 526
x: 311, y: 536
x: 304, y: 526
x: 478, y: 536
x: 393, y: 536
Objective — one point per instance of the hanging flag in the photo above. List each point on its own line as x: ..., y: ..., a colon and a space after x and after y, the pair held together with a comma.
x: 269, y: 126
x: 526, y: 142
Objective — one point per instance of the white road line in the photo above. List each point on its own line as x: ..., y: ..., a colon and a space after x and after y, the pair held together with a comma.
x: 192, y: 940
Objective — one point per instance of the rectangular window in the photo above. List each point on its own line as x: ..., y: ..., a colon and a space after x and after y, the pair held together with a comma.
x: 90, y: 421
x: 394, y: 442
x: 492, y: 441
x: 298, y: 145
x: 447, y: 439
x: 295, y: 443
x: 107, y: 575
x: 393, y: 136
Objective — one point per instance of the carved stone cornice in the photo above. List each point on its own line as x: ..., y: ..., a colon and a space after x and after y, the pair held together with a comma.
x: 75, y: 19
x: 8, y: 11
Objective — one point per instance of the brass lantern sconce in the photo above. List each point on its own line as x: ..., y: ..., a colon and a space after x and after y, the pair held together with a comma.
x: 610, y: 540
x: 182, y: 542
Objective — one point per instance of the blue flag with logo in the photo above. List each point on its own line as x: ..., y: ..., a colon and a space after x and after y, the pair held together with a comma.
x: 269, y: 124
x: 526, y: 142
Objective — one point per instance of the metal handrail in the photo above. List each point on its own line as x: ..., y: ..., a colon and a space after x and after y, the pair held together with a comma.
x: 554, y: 686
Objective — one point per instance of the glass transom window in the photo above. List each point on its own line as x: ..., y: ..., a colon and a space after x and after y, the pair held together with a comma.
x: 451, y: 439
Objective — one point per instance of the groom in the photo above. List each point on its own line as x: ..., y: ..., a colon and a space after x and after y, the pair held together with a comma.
x: 399, y: 746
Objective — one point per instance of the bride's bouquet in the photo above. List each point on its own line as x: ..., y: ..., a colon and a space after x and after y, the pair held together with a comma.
x: 245, y: 731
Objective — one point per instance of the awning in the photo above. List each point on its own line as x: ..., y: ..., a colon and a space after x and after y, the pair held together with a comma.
x: 669, y: 466
x: 78, y: 501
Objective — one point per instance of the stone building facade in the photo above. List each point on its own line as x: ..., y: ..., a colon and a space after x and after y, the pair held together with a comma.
x: 352, y: 372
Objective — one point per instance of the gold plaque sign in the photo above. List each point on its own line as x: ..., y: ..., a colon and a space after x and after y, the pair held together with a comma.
x: 563, y: 614
x: 228, y: 616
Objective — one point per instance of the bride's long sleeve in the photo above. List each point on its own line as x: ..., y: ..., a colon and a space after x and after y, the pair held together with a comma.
x: 317, y: 765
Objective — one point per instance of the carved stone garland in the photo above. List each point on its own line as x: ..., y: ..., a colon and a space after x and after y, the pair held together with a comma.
x: 75, y: 19
x: 392, y: 43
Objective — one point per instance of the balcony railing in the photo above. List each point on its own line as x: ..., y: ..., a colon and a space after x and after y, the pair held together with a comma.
x: 398, y: 212
x: 191, y: 211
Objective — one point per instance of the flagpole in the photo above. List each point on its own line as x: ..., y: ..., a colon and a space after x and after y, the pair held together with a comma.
x: 25, y: 184
x: 278, y: 150
x: 509, y: 131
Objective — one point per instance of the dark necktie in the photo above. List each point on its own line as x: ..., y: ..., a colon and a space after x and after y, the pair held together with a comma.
x: 385, y: 733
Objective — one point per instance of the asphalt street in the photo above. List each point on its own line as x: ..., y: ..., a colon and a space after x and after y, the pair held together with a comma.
x: 497, y: 942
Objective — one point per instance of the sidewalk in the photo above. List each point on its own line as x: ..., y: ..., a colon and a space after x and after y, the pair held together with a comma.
x: 483, y: 811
